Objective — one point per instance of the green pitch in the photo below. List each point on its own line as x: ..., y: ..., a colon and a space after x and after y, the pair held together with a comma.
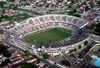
x: 46, y: 36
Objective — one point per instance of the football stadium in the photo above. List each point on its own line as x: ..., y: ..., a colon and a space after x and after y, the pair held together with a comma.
x: 50, y: 33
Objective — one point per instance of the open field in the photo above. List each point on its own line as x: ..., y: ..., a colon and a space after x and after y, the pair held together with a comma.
x: 46, y: 36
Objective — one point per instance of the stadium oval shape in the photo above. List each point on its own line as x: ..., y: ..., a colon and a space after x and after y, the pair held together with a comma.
x: 47, y: 21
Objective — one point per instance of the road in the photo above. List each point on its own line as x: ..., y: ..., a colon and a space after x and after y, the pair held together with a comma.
x: 95, y: 38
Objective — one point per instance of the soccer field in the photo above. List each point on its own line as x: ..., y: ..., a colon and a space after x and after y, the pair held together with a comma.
x: 42, y: 37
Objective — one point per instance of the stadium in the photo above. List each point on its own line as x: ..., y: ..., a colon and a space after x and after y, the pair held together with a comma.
x: 51, y: 33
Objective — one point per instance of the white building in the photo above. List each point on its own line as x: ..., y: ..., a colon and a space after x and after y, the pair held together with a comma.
x: 3, y: 0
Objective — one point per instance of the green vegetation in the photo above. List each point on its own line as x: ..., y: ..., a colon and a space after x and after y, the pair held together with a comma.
x: 28, y: 65
x: 2, y: 3
x: 65, y: 62
x: 79, y: 47
x: 47, y: 36
x: 97, y: 51
x: 12, y: 6
x: 45, y: 56
x: 98, y: 3
x: 28, y: 11
x: 89, y: 58
x: 86, y: 42
x: 4, y: 51
x: 72, y: 12
x: 71, y: 55
x: 77, y: 15
x: 14, y: 18
x: 87, y: 8
x: 72, y: 50
x: 97, y: 29
x: 4, y: 63
x: 27, y: 53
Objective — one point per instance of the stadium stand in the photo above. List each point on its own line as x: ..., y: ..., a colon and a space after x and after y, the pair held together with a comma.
x: 48, y: 21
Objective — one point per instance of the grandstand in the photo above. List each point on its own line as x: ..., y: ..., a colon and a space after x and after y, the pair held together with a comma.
x: 48, y: 21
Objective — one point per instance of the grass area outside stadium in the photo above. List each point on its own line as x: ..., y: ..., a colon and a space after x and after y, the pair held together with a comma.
x: 47, y: 36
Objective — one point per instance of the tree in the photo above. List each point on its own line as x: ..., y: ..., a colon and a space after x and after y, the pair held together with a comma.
x: 88, y: 57
x: 72, y: 12
x: 0, y: 17
x: 79, y: 47
x: 27, y: 53
x: 99, y: 50
x: 28, y: 65
x: 86, y: 42
x: 71, y: 55
x: 72, y: 50
x: 2, y: 3
x: 4, y: 50
x: 75, y: 49
x: 97, y: 28
x: 77, y: 15
x: 11, y: 0
x: 87, y: 8
x: 65, y: 62
x: 5, y: 62
x: 98, y: 3
x: 12, y: 6
x: 72, y: 1
x: 45, y: 56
